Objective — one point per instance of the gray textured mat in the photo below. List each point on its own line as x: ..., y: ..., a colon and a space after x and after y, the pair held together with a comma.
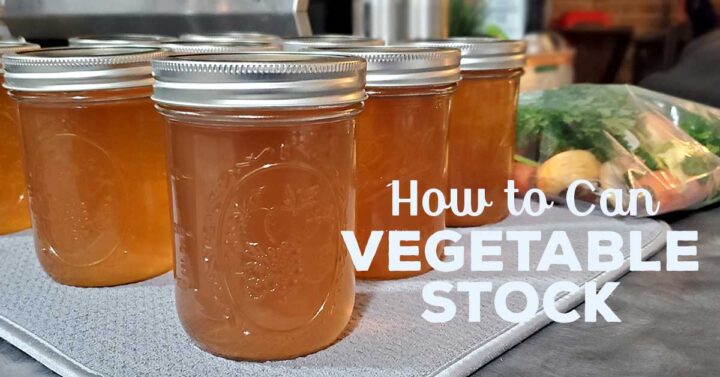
x: 133, y: 330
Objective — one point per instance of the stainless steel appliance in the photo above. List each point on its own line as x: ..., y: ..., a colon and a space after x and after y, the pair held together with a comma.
x: 401, y: 20
x: 59, y: 19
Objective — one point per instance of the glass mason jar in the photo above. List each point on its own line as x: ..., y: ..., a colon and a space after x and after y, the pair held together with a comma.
x: 262, y: 182
x: 95, y: 163
x: 329, y: 41
x: 482, y: 123
x: 234, y: 36
x: 115, y: 40
x: 14, y: 214
x: 402, y: 135
x: 199, y: 47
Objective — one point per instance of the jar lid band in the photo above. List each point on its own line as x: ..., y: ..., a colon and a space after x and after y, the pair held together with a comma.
x: 199, y: 47
x: 142, y: 40
x: 258, y: 80
x: 329, y: 41
x: 479, y: 54
x: 394, y: 66
x: 7, y: 47
x: 234, y: 36
x: 79, y: 68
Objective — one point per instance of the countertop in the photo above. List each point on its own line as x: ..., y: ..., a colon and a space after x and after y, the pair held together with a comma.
x: 671, y: 323
x: 671, y: 326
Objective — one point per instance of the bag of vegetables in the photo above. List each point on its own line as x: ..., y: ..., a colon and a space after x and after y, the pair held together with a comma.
x: 619, y: 137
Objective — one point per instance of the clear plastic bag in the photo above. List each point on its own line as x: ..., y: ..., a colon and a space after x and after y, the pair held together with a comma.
x: 619, y: 137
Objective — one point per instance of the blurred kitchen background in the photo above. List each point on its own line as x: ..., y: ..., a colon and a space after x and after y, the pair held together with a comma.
x: 597, y: 41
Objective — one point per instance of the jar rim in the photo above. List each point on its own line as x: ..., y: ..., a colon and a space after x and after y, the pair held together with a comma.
x: 255, y: 117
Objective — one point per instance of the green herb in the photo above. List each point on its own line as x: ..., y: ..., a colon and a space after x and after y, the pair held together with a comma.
x: 464, y: 18
x: 648, y: 159
x: 703, y: 130
x: 694, y: 166
x: 589, y: 117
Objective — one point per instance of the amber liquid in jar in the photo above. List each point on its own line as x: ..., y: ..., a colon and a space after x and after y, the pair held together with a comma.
x: 482, y: 141
x: 14, y: 213
x: 96, y: 173
x: 260, y: 199
x: 401, y: 135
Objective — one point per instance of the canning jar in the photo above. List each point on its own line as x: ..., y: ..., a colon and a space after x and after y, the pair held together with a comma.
x: 262, y: 181
x: 14, y: 213
x: 94, y: 161
x: 402, y: 136
x: 198, y: 47
x: 482, y: 123
x: 234, y: 36
x: 135, y: 40
x: 328, y: 41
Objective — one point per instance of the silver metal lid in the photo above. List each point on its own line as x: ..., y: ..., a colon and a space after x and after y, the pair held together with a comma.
x: 397, y: 66
x: 329, y: 41
x: 79, y: 68
x: 197, y: 47
x: 481, y: 54
x: 233, y: 36
x: 135, y: 40
x: 8, y: 46
x: 259, y: 80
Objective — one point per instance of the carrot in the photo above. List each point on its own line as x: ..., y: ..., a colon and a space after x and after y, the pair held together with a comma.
x: 524, y: 171
x: 670, y: 192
